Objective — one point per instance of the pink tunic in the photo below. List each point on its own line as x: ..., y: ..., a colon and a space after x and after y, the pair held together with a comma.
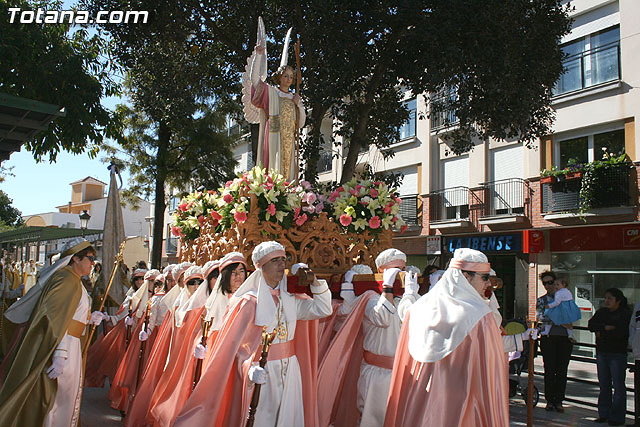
x: 469, y: 387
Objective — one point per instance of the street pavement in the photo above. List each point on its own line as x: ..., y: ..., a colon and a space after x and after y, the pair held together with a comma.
x: 96, y: 411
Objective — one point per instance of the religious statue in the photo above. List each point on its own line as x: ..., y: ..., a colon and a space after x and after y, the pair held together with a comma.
x: 279, y: 112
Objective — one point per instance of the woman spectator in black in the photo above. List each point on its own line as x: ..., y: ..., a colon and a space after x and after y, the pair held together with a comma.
x: 611, y: 326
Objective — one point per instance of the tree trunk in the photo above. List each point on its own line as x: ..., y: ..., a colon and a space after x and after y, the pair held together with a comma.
x: 164, y: 135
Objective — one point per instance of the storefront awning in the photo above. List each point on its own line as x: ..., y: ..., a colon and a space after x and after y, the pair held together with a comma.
x: 21, y: 119
x: 41, y: 234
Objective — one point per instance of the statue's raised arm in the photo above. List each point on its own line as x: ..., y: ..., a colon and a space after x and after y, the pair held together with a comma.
x: 279, y: 111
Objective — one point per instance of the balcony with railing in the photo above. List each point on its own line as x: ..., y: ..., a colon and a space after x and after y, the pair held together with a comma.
x: 450, y: 207
x: 325, y: 161
x: 589, y: 68
x: 612, y: 187
x: 410, y: 210
x: 171, y: 245
x: 442, y: 116
x: 506, y: 201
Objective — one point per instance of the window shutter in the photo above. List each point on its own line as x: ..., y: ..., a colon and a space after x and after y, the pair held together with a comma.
x: 594, y: 21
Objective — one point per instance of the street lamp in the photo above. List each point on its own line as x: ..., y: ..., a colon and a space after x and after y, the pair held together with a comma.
x: 84, y: 221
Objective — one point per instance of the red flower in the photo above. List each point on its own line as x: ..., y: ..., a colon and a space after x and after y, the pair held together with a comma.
x: 373, y: 192
x: 345, y: 220
x: 404, y: 228
x: 211, y: 191
x: 387, y: 209
x: 301, y: 219
x: 374, y: 222
x: 228, y: 198
x: 216, y: 216
x: 176, y: 231
x: 296, y: 213
x: 201, y: 220
x: 240, y: 217
x: 354, y: 192
x: 183, y: 207
x: 228, y: 184
x: 271, y: 209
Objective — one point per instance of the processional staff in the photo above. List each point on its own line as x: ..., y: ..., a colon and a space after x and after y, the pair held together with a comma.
x: 267, y: 339
x: 206, y: 325
x: 296, y: 48
x: 118, y: 260
x: 142, y: 345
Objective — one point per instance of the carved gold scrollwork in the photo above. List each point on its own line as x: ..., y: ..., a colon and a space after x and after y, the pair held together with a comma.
x: 320, y: 242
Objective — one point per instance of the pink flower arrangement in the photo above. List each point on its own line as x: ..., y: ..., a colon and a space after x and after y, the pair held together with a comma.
x: 345, y: 220
x: 271, y: 209
x: 241, y: 217
x: 374, y: 222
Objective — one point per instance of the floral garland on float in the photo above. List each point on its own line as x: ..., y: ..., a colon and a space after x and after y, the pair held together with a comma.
x: 356, y: 205
x: 361, y: 205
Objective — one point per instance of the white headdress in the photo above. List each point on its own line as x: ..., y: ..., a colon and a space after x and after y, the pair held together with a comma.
x: 442, y: 319
x: 179, y: 269
x: 391, y: 258
x: 266, y: 251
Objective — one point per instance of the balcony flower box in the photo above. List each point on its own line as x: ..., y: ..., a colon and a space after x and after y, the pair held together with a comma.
x: 574, y: 175
x: 548, y: 179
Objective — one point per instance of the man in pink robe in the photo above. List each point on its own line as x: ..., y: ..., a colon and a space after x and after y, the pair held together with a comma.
x: 450, y: 367
x: 289, y: 380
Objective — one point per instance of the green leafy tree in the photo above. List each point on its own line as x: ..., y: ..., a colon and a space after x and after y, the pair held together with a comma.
x: 178, y: 91
x: 50, y: 63
x: 10, y: 217
x: 358, y: 57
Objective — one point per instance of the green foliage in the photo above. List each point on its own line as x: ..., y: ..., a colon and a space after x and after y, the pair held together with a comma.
x: 71, y: 69
x: 10, y: 217
x: 593, y: 182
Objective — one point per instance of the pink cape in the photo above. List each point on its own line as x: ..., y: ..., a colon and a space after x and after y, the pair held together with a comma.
x: 124, y: 382
x: 340, y: 369
x: 104, y: 356
x: 233, y: 351
x: 137, y: 414
x: 469, y: 387
x: 176, y: 384
x: 325, y: 329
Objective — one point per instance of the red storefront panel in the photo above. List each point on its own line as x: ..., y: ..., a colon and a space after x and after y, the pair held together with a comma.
x: 597, y: 238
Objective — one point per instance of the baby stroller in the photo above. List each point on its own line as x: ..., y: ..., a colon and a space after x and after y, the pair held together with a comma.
x: 518, y: 363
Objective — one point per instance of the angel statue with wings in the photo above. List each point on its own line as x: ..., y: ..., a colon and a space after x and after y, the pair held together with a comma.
x: 279, y: 112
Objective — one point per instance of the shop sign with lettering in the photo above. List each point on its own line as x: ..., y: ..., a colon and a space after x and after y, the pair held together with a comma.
x: 485, y: 242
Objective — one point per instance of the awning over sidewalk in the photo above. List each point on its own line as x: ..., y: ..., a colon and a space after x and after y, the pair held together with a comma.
x: 21, y: 119
x: 24, y: 235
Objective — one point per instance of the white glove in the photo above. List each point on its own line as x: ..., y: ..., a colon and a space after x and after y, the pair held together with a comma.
x: 411, y: 283
x: 531, y: 332
x: 295, y: 267
x: 128, y: 321
x: 389, y: 276
x: 257, y: 375
x: 348, y: 276
x: 201, y: 351
x: 143, y: 336
x: 57, y: 367
x: 96, y: 318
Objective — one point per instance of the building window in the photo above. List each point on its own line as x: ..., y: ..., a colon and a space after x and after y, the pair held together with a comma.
x: 589, y: 148
x: 408, y: 130
x: 590, y: 60
x: 173, y: 203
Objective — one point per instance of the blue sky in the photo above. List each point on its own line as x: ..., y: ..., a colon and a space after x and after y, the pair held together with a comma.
x: 40, y: 187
